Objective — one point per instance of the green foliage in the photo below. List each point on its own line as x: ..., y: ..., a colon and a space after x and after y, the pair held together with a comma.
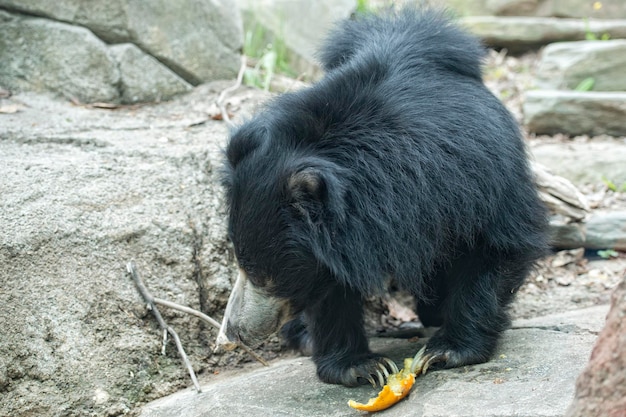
x: 612, y: 186
x: 608, y: 254
x: 270, y: 53
x: 362, y: 6
x: 586, y: 84
x: 590, y: 36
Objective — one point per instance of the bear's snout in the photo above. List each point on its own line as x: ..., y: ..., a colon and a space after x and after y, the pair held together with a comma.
x: 251, y: 315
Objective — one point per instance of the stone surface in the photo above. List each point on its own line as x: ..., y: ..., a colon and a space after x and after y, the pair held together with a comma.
x: 564, y: 65
x: 143, y: 78
x: 83, y: 192
x: 107, y: 19
x: 601, y: 388
x: 575, y: 113
x: 42, y: 55
x: 584, y: 162
x: 532, y: 375
x: 519, y: 34
x: 606, y: 231
x: 606, y: 9
x: 200, y: 40
x: 602, y: 230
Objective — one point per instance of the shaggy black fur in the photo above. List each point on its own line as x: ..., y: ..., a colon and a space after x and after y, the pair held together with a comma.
x: 398, y: 164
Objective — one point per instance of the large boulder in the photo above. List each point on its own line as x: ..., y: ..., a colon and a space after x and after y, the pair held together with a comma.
x: 83, y: 192
x: 198, y: 40
x: 143, y: 78
x: 519, y: 33
x: 606, y: 9
x: 602, y: 230
x: 601, y: 388
x: 43, y: 55
x: 564, y: 65
x: 584, y: 162
x: 575, y: 113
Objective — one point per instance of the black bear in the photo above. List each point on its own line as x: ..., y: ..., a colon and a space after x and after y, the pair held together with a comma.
x: 399, y: 164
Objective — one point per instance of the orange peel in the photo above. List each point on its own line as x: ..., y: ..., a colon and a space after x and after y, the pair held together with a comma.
x: 398, y: 386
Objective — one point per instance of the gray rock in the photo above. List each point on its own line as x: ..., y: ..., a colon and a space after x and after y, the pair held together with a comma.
x: 602, y: 230
x: 83, y: 192
x: 563, y: 65
x: 143, y: 78
x: 601, y: 388
x: 519, y: 34
x: 64, y: 10
x: 200, y: 40
x: 586, y: 162
x: 606, y: 231
x: 609, y: 9
x: 533, y: 372
x: 107, y: 19
x: 575, y: 113
x: 42, y: 55
x: 565, y: 234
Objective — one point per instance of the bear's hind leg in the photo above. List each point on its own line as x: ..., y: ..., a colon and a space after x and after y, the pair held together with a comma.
x: 340, y: 348
x: 296, y: 336
x: 474, y: 311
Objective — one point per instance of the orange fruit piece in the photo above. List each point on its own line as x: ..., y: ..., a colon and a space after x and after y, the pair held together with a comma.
x: 398, y: 386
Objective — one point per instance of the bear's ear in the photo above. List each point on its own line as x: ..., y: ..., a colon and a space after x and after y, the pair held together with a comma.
x: 307, y: 184
x: 314, y: 188
x: 244, y: 141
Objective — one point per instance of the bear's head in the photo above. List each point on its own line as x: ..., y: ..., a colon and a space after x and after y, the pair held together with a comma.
x: 284, y: 204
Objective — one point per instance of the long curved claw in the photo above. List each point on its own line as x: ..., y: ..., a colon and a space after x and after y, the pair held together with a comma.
x: 431, y: 360
x: 417, y: 367
x: 381, y: 379
x: 392, y: 365
x: 370, y: 379
x: 384, y: 369
x: 422, y: 360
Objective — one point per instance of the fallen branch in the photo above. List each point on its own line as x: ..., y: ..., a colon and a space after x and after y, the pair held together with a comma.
x: 166, y: 329
x: 208, y: 320
x: 188, y: 310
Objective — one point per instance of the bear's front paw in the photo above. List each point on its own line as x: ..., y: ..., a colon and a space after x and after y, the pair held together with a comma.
x: 441, y: 353
x: 355, y: 370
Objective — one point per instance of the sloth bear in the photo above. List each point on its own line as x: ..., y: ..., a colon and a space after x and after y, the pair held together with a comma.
x: 398, y: 165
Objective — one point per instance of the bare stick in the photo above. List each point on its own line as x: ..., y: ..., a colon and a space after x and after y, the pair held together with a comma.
x: 188, y: 310
x: 209, y: 320
x: 166, y: 329
x: 226, y: 91
x: 253, y: 354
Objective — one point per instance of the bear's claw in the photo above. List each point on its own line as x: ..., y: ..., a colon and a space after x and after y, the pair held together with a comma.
x: 422, y: 360
x: 368, y: 368
x: 385, y: 367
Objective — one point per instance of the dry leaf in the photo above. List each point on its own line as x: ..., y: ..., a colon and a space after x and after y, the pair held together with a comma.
x: 566, y: 257
x: 10, y: 108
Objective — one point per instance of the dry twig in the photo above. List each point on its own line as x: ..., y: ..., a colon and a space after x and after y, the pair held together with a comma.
x: 166, y: 329
x: 220, y: 100
x: 188, y: 310
x: 208, y: 320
